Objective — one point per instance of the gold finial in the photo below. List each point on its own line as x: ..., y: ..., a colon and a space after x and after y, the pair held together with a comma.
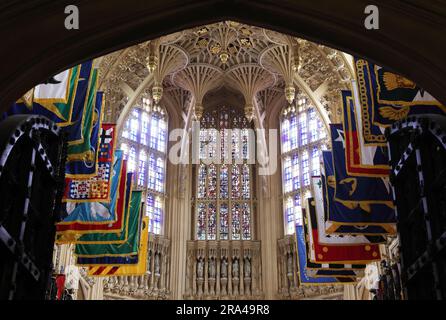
x: 224, y: 56
x: 152, y: 63
x: 198, y: 111
x: 290, y: 93
x: 249, y: 112
x: 157, y: 93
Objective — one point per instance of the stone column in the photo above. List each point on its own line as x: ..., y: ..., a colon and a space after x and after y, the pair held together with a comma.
x: 179, y: 225
x: 270, y: 228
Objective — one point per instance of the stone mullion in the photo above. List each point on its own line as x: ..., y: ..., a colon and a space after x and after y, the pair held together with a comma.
x: 206, y: 271
x: 217, y: 273
x: 241, y: 273
x: 230, y: 201
x: 230, y: 256
x: 196, y: 202
x: 217, y: 213
x: 152, y: 267
x: 194, y: 261
x: 251, y: 203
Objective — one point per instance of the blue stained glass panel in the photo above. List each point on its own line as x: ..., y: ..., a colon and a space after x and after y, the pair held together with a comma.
x: 212, y: 222
x: 235, y: 182
x: 224, y: 182
x: 201, y: 221
x: 224, y: 222
x: 236, y: 212
x: 246, y: 221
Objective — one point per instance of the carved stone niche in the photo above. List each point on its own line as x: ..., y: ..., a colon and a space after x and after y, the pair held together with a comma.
x: 223, y: 270
x: 289, y: 287
x: 153, y: 285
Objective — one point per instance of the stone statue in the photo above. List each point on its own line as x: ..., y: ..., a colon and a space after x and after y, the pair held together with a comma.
x: 157, y: 263
x: 212, y: 269
x: 290, y: 263
x: 200, y: 268
x: 235, y: 269
x: 224, y: 268
x: 247, y: 268
x: 149, y: 262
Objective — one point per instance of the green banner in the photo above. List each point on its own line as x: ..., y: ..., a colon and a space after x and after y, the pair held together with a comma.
x: 129, y: 239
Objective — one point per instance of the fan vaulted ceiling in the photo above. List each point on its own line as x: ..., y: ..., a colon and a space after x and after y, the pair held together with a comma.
x: 260, y: 64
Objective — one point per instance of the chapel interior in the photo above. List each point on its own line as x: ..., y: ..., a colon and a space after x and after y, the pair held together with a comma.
x: 218, y: 230
x: 235, y: 76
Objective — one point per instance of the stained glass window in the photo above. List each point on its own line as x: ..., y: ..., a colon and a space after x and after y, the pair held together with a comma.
x: 143, y: 141
x: 224, y: 182
x: 246, y: 182
x: 293, y: 134
x: 145, y: 128
x: 286, y: 142
x: 246, y: 221
x: 303, y: 136
x: 303, y: 129
x: 154, y: 133
x: 305, y: 169
x: 212, y: 182
x: 134, y: 126
x: 212, y: 222
x: 132, y: 159
x: 313, y: 125
x: 295, y: 172
x: 237, y: 144
x: 321, y: 129
x: 236, y: 210
x: 235, y: 175
x: 142, y: 168
x: 287, y: 175
x: 152, y: 172
x: 154, y: 210
x: 224, y: 188
x: 297, y: 204
x: 202, y: 181
x: 289, y: 215
x: 159, y: 184
x: 315, y: 164
x: 224, y: 222
x: 201, y: 221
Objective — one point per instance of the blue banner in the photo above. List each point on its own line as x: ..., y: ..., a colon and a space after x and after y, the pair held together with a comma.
x: 98, y: 212
x: 377, y: 219
x: 353, y: 190
x: 387, y: 97
x: 88, y: 167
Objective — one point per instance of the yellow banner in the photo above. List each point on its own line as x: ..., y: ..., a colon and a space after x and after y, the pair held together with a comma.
x: 138, y: 269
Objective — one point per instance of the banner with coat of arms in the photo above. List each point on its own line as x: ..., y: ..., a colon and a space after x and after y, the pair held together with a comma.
x: 342, y: 217
x: 345, y: 253
x: 92, y: 217
x: 361, y: 159
x: 304, y: 277
x: 96, y: 188
x: 322, y: 225
x: 326, y: 269
x: 386, y: 97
